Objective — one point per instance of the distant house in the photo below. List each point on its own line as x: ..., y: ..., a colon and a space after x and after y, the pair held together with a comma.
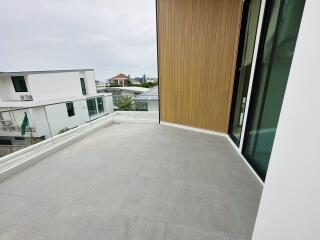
x: 101, y: 85
x: 148, y: 100
x: 119, y: 93
x: 121, y: 79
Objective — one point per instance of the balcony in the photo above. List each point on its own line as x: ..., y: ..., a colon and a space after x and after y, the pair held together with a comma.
x: 133, y: 179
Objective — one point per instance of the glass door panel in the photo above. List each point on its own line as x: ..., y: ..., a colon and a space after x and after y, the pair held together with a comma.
x: 249, y: 25
x: 279, y: 37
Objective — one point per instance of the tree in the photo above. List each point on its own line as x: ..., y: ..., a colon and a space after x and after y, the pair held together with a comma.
x: 125, y: 104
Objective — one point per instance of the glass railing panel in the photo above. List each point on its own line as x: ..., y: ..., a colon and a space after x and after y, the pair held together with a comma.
x: 60, y: 121
x: 147, y: 101
x: 99, y: 106
x: 21, y: 128
x: 64, y: 116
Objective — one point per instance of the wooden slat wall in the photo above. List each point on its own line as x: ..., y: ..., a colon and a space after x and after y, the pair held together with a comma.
x: 197, y: 45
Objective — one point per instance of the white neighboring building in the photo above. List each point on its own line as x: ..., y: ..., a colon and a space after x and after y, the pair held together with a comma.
x: 44, y: 85
x: 127, y: 91
x: 101, y: 85
x: 150, y: 99
x: 63, y: 98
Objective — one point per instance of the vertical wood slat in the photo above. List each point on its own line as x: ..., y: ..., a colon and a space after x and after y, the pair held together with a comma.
x: 197, y: 46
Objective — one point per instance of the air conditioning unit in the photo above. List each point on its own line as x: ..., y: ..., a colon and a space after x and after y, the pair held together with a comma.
x: 26, y: 97
x: 6, y: 122
x: 23, y: 97
x: 12, y: 128
x: 5, y: 128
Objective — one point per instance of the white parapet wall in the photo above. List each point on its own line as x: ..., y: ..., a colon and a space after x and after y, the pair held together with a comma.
x: 18, y: 161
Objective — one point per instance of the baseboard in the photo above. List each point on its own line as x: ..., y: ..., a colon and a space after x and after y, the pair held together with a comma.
x: 193, y: 129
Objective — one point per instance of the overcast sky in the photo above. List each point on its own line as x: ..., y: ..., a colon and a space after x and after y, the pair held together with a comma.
x: 111, y: 36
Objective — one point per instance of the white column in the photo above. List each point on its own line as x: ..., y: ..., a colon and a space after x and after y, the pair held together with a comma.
x: 290, y: 204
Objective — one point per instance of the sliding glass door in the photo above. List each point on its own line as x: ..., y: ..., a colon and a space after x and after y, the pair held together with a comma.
x: 278, y: 39
x: 249, y: 25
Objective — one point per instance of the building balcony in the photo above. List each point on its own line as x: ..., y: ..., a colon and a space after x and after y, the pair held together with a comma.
x: 128, y: 177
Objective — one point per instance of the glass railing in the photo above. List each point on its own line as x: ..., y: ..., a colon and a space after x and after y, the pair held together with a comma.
x: 23, y: 127
x: 147, y: 101
x: 131, y: 103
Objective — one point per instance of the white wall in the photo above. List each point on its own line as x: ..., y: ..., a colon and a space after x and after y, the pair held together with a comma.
x: 4, y: 93
x: 290, y: 204
x: 54, y: 85
x: 58, y: 116
x: 89, y: 77
x: 44, y: 86
x: 7, y: 91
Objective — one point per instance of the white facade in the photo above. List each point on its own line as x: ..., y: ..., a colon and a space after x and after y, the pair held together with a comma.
x: 289, y: 207
x: 47, y: 111
x: 48, y: 84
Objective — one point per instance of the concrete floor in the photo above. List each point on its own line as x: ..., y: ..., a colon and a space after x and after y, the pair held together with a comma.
x: 134, y: 181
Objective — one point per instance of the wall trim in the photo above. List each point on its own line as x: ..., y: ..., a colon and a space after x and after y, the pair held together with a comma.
x: 245, y: 160
x: 252, y: 72
x: 193, y: 128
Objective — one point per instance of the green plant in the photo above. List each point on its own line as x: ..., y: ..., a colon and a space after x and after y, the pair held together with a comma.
x: 115, y: 85
x: 145, y: 85
x: 125, y: 103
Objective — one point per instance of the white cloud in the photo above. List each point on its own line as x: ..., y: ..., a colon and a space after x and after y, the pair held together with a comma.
x: 111, y: 36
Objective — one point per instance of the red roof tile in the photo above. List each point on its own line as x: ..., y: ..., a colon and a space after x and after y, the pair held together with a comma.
x: 120, y: 76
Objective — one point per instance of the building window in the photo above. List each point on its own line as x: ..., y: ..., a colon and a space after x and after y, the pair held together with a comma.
x: 83, y: 86
x: 100, y: 105
x: 70, y: 109
x: 19, y: 138
x: 92, y: 106
x: 5, y: 142
x: 19, y: 84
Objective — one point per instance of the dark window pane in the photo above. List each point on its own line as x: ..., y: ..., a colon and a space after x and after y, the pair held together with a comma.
x: 19, y: 84
x: 70, y: 109
x: 5, y: 142
x: 83, y: 86
x: 100, y: 105
x: 92, y: 107
x: 272, y: 72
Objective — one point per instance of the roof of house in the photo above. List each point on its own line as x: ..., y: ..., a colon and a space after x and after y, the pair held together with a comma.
x: 130, y: 89
x: 120, y: 76
x: 45, y: 71
x: 152, y: 94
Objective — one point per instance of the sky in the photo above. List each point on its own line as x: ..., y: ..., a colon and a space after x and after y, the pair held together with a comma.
x: 111, y: 36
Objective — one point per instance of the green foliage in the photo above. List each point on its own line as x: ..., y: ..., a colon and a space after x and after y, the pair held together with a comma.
x: 145, y: 85
x: 125, y: 103
x: 115, y: 85
x: 141, y: 106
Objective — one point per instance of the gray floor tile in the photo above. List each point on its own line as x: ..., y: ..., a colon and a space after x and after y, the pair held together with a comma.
x: 134, y: 181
